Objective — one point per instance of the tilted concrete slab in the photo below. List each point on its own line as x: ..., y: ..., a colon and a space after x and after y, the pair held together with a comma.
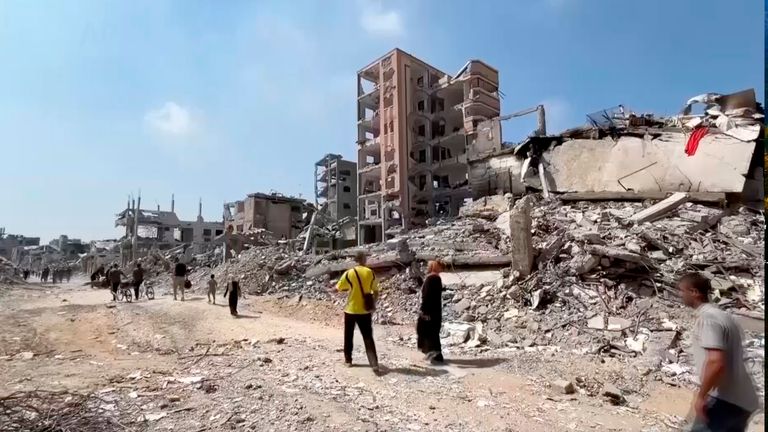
x: 719, y: 165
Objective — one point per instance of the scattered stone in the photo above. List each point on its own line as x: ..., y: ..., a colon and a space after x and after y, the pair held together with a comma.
x: 614, y: 323
x: 25, y: 355
x: 563, y: 386
x: 462, y: 306
x: 613, y: 394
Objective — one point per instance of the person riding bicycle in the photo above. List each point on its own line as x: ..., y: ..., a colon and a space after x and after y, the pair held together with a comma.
x: 138, y: 278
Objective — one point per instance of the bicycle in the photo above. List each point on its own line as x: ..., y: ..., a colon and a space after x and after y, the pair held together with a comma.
x: 124, y: 293
x: 147, y: 291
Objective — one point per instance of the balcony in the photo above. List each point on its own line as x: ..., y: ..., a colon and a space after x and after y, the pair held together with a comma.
x: 370, y: 99
x: 372, y: 171
x: 456, y: 161
x: 476, y: 68
x: 370, y: 145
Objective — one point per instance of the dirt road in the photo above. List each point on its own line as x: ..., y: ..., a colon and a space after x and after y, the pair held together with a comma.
x: 190, y: 366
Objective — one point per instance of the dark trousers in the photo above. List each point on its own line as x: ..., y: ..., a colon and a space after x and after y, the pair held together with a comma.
x: 233, y: 303
x: 115, y: 286
x: 136, y: 285
x: 364, y: 323
x: 722, y: 416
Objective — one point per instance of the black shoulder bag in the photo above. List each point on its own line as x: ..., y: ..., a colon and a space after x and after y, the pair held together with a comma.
x: 368, y: 300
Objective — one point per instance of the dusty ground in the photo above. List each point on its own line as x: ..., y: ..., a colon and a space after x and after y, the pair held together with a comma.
x: 165, y: 365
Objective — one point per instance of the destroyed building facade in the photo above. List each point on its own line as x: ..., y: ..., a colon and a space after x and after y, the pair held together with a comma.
x: 279, y: 214
x: 336, y: 187
x: 9, y: 242
x: 413, y: 125
x: 146, y: 230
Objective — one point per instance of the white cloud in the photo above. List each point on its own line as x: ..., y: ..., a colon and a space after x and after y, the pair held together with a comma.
x: 170, y: 119
x: 379, y: 22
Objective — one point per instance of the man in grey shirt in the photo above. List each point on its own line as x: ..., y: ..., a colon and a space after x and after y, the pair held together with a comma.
x: 726, y: 397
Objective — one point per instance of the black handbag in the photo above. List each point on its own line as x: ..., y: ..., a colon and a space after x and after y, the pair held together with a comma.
x: 369, y: 301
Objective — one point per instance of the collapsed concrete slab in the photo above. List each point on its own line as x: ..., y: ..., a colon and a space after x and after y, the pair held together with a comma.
x: 639, y: 164
x: 627, y: 165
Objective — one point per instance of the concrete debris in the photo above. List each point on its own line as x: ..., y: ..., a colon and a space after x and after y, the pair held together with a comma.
x: 611, y: 324
x: 563, y: 386
x: 613, y: 394
x: 658, y: 210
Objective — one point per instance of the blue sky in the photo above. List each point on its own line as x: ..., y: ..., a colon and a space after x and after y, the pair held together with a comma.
x: 217, y: 99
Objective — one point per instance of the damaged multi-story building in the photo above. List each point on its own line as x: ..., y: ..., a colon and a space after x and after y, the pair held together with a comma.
x: 283, y: 216
x: 336, y: 187
x: 413, y: 125
x: 335, y: 224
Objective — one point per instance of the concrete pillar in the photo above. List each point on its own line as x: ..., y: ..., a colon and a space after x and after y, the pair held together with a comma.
x: 522, y: 240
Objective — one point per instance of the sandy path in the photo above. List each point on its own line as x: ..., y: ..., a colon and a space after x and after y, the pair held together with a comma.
x: 82, y: 344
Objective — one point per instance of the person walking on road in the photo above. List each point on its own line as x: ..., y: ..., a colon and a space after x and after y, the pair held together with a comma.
x: 115, y: 276
x: 44, y: 274
x: 137, y: 279
x: 179, y: 277
x: 233, y: 289
x: 360, y: 282
x: 726, y: 398
x: 431, y: 314
x: 212, y: 289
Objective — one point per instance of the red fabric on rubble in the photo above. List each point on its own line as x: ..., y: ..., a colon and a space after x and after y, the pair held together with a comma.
x: 693, y: 140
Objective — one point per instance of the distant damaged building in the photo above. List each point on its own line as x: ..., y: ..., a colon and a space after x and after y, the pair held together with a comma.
x: 336, y: 187
x: 146, y: 230
x: 621, y: 155
x: 282, y: 215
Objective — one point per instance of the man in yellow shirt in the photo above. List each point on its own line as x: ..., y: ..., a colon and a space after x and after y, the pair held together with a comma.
x: 357, y: 281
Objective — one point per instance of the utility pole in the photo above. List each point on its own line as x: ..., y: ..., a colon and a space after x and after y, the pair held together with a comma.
x: 135, y: 240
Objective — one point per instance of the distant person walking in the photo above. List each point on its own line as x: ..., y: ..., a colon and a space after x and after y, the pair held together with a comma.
x: 726, y: 398
x: 137, y: 279
x: 233, y: 289
x: 363, y: 289
x: 115, y: 276
x: 44, y: 274
x: 68, y: 273
x: 431, y: 314
x: 179, y: 277
x: 212, y: 290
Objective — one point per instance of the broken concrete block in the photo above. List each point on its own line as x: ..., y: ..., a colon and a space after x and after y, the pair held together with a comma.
x: 584, y: 263
x: 661, y: 209
x: 721, y: 284
x: 462, y: 305
x: 512, y: 313
x: 591, y: 238
x: 563, y: 386
x: 284, y: 267
x: 614, y: 323
x: 611, y: 252
x: 613, y: 394
x: 25, y: 355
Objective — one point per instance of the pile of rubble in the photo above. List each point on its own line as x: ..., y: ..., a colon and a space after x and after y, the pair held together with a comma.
x: 9, y: 273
